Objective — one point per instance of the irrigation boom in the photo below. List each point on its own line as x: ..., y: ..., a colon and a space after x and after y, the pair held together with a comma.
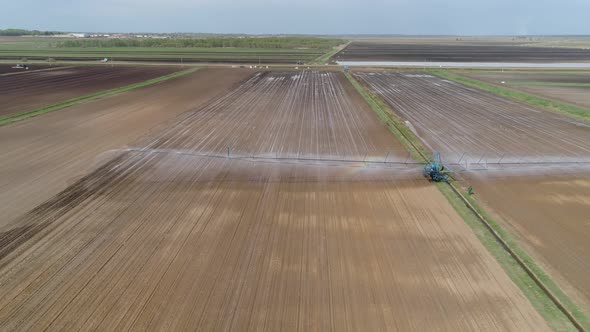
x: 434, y: 170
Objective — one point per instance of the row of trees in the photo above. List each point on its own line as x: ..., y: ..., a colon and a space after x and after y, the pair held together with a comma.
x: 248, y: 42
x: 22, y: 32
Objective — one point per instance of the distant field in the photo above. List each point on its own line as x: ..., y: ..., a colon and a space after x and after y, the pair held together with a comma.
x: 570, y: 87
x: 441, y: 40
x: 457, y: 52
x: 236, y: 55
x: 563, y: 41
x: 30, y: 90
x: 44, y: 48
x: 535, y: 41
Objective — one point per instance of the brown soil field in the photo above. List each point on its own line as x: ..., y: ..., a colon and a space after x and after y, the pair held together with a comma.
x: 467, y: 124
x: 577, y: 95
x: 531, y: 76
x: 379, y: 51
x: 550, y: 213
x: 165, y: 238
x: 41, y: 156
x: 29, y: 91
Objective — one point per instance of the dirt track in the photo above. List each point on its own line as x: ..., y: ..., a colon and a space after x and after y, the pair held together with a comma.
x: 28, y: 91
x: 375, y: 51
x: 467, y: 124
x: 158, y: 239
x: 43, y: 155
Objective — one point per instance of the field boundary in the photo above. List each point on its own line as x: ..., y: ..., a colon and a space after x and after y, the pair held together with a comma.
x: 326, y: 56
x: 547, y: 298
x: 33, y: 71
x: 78, y: 100
x: 576, y: 112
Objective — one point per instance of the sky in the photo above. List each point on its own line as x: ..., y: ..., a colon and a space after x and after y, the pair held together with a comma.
x: 424, y: 17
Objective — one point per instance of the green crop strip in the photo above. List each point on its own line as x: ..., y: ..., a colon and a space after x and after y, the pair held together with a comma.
x: 51, y: 108
x: 576, y: 112
x: 556, y: 319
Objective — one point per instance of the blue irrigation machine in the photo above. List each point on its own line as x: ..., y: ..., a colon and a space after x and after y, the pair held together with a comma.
x: 436, y: 171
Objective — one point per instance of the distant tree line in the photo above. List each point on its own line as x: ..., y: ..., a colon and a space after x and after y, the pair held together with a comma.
x: 249, y: 42
x: 22, y: 32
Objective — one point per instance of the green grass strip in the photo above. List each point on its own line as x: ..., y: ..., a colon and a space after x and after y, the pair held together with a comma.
x: 576, y: 112
x: 556, y: 319
x: 78, y: 100
x: 324, y: 58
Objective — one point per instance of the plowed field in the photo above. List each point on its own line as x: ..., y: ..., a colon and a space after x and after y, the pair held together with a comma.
x: 164, y: 238
x: 548, y: 212
x: 467, y: 124
x: 571, y: 87
x: 383, y: 51
x: 32, y: 90
x: 41, y: 156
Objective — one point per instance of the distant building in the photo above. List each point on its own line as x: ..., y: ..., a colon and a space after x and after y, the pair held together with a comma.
x: 79, y: 35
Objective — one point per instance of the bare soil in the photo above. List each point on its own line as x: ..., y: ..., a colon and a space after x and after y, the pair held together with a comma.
x: 469, y: 125
x: 550, y: 213
x: 41, y: 156
x: 577, y: 95
x: 165, y: 238
x: 32, y: 90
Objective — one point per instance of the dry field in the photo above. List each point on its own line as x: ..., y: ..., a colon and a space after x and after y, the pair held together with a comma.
x: 548, y: 212
x: 467, y: 124
x: 41, y: 156
x: 441, y: 40
x: 162, y: 237
x: 29, y: 91
x: 571, y: 87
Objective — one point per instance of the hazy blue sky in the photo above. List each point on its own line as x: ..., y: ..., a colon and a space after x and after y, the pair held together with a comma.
x: 303, y: 16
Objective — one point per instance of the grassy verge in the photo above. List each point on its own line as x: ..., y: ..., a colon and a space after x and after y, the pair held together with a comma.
x: 324, y: 58
x: 576, y: 112
x: 50, y: 108
x: 556, y: 319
